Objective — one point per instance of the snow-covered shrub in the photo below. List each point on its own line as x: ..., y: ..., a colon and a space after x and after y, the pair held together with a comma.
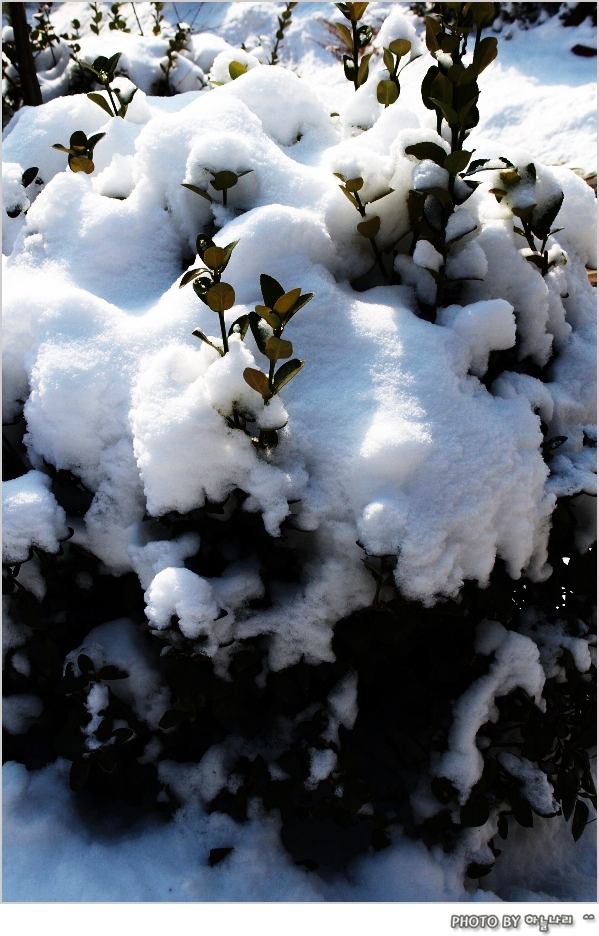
x: 354, y: 609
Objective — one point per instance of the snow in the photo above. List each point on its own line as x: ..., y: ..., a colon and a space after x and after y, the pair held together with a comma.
x: 387, y: 436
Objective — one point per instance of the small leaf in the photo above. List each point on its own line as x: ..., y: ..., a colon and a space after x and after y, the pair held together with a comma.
x: 85, y: 664
x: 101, y: 102
x: 448, y: 112
x: 349, y: 196
x: 269, y: 316
x: 286, y: 302
x: 370, y: 228
x: 498, y: 193
x: 345, y: 35
x: 356, y: 10
x: 28, y: 176
x: 400, y: 47
x: 236, y: 69
x: 112, y: 672
x: 242, y: 323
x: 258, y: 331
x: 214, y: 257
x: 278, y: 348
x: 523, y: 212
x: 220, y: 297
x: 389, y: 61
x: 428, y: 151
x: 433, y: 27
x: 484, y: 54
x: 81, y: 164
x: 257, y: 381
x: 301, y: 302
x: 271, y: 290
x: 200, y: 334
x: 93, y: 140
x: 542, y: 224
x: 63, y: 149
x: 189, y: 276
x: 228, y: 251
x: 457, y: 162
x: 218, y: 854
x: 198, y: 191
x: 441, y: 195
x: 354, y: 185
x: 286, y: 373
x: 78, y: 141
x: 203, y: 242
x: 363, y: 69
x: 224, y: 180
x: 387, y: 92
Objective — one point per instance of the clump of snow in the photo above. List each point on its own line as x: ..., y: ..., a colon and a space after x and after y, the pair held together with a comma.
x: 535, y: 785
x: 30, y: 517
x: 516, y: 663
x: 20, y: 711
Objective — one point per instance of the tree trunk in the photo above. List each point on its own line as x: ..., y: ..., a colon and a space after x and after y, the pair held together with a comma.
x: 30, y: 87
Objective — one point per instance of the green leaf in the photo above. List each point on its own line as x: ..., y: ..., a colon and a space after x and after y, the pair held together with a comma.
x: 271, y: 290
x: 112, y: 62
x: 28, y: 176
x: 189, y: 276
x: 389, y: 61
x: 81, y: 164
x: 259, y: 331
x: 465, y: 110
x: 363, y: 69
x: 440, y: 194
x: 63, y: 149
x: 202, y: 244
x: 200, y: 334
x: 269, y: 316
x: 236, y: 69
x: 78, y: 141
x: 523, y: 212
x: 257, y: 381
x: 483, y: 14
x: 228, y: 250
x: 286, y: 373
x: 427, y: 83
x: 345, y: 35
x: 201, y: 287
x: 349, y: 196
x: 355, y: 185
x: 457, y: 162
x: 214, y: 257
x: 242, y: 323
x: 448, y: 112
x: 91, y: 143
x: 101, y: 102
x: 277, y: 348
x: 370, y: 228
x: 218, y: 854
x: 484, y: 54
x: 224, y: 180
x: 286, y: 302
x: 428, y: 151
x: 387, y: 92
x: 220, y: 297
x: 378, y: 197
x: 301, y: 302
x: 542, y: 223
x: 433, y: 27
x: 400, y: 47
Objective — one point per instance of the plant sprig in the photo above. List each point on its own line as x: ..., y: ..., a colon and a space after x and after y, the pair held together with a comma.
x: 284, y: 23
x: 367, y: 228
x: 388, y: 90
x: 208, y: 287
x: 355, y: 65
x: 80, y: 151
x: 104, y: 71
x: 221, y: 182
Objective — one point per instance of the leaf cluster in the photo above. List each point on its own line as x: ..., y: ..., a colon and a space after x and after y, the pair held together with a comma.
x: 221, y: 182
x: 116, y: 22
x: 355, y: 65
x: 29, y: 176
x: 284, y: 22
x: 80, y: 151
x: 208, y: 287
x: 389, y: 89
x: 104, y: 70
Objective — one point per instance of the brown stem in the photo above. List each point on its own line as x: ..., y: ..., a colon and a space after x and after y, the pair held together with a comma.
x: 30, y: 87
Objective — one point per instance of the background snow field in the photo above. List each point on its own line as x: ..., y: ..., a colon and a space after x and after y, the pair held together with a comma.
x: 391, y: 436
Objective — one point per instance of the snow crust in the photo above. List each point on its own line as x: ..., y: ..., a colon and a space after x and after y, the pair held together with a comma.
x: 30, y: 517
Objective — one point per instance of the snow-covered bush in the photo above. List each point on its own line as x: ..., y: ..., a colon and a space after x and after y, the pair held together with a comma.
x: 364, y: 602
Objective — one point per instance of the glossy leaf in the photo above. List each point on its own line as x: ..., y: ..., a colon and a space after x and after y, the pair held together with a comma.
x: 200, y: 334
x: 448, y: 112
x: 387, y: 92
x: 220, y: 297
x: 269, y: 316
x: 484, y: 54
x: 236, y: 69
x: 354, y: 185
x: 301, y: 302
x: 345, y: 35
x: 400, y: 47
x: 257, y: 381
x: 457, y: 162
x: 214, y: 257
x: 541, y: 226
x: 433, y: 27
x: 286, y: 373
x: 28, y: 176
x: 363, y: 69
x: 101, y: 102
x: 198, y: 191
x: 242, y: 323
x: 189, y: 276
x: 224, y: 180
x: 259, y: 331
x: 389, y: 61
x: 271, y: 290
x: 369, y: 228
x: 427, y: 151
x: 427, y: 83
x: 286, y: 302
x: 81, y: 164
x: 349, y: 196
x: 63, y: 149
x: 277, y: 349
x: 203, y: 242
